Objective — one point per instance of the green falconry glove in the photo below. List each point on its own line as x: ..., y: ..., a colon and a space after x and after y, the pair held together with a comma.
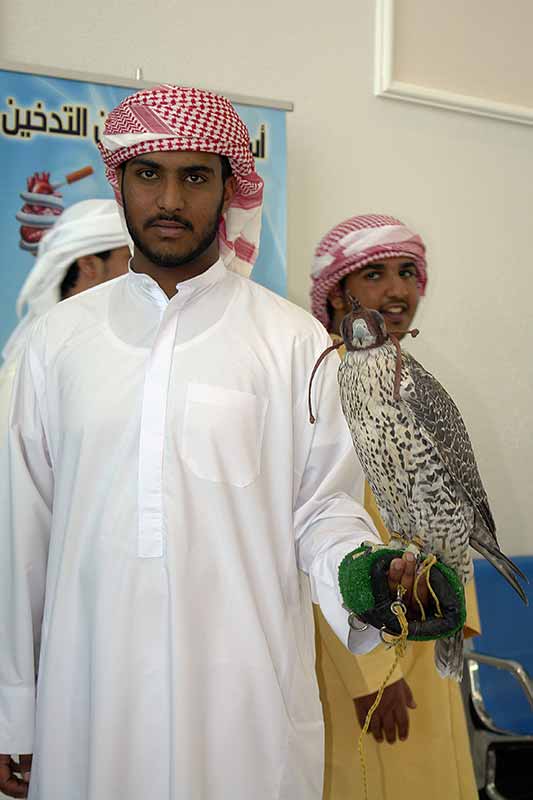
x: 365, y: 591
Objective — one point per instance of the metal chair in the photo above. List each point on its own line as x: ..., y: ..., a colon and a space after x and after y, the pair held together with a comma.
x: 498, y: 689
x: 487, y: 739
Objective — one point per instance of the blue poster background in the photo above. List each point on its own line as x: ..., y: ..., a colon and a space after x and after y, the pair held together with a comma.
x: 50, y: 125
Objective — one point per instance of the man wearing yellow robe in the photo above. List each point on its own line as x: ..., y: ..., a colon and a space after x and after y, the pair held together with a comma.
x: 418, y: 744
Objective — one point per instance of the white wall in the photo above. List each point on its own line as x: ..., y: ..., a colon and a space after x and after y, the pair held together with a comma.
x: 466, y: 183
x: 490, y: 41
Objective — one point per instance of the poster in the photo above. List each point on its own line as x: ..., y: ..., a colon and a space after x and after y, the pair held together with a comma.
x: 49, y: 127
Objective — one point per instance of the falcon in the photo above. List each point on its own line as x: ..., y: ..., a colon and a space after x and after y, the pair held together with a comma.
x: 418, y: 459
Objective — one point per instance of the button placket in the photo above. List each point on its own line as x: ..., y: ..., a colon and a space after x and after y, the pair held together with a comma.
x: 151, y: 532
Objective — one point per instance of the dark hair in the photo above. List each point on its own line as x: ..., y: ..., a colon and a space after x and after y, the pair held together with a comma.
x: 227, y: 172
x: 73, y: 273
x: 329, y: 308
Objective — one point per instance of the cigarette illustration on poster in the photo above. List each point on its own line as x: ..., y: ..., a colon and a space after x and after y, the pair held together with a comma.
x: 49, y: 127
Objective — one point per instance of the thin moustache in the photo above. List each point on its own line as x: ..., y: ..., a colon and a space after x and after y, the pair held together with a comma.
x: 175, y: 220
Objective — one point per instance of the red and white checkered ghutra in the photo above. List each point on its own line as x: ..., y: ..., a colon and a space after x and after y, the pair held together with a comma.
x: 181, y: 118
x: 353, y: 244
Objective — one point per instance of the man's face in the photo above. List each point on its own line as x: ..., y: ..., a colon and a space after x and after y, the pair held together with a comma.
x: 173, y: 203
x: 388, y: 286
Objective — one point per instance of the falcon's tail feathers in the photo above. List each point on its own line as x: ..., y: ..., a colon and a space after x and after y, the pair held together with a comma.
x: 504, y: 565
x: 449, y: 656
x: 493, y: 548
x: 513, y: 566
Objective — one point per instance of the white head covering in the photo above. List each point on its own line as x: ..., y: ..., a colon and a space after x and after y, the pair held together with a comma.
x: 84, y: 229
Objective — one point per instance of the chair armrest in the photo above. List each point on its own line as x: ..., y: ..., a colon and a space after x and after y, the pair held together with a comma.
x: 514, y: 667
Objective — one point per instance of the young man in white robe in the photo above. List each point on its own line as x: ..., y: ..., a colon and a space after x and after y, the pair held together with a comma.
x: 167, y: 510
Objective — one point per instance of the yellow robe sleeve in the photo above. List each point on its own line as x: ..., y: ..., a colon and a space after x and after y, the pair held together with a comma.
x: 473, y: 623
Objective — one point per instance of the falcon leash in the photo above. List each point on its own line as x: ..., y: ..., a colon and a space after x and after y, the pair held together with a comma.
x: 400, y: 645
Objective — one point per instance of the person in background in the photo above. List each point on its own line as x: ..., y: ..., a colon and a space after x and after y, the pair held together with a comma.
x: 419, y: 745
x: 85, y: 247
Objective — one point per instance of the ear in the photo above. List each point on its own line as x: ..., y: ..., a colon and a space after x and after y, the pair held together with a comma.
x: 90, y: 267
x: 337, y: 299
x: 230, y: 187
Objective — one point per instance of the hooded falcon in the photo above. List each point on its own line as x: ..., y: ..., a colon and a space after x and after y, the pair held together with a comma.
x: 417, y: 457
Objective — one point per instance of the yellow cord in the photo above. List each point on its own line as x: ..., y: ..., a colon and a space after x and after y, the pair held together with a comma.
x: 425, y: 569
x: 400, y: 645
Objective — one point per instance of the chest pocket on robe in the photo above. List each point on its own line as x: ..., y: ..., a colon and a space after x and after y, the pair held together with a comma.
x: 223, y: 434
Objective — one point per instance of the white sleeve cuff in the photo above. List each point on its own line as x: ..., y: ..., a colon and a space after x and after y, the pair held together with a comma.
x: 329, y: 598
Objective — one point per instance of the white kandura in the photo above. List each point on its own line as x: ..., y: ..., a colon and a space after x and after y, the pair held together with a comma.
x: 175, y: 512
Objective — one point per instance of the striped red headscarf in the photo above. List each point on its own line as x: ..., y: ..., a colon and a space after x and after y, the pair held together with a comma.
x: 180, y: 118
x: 353, y: 244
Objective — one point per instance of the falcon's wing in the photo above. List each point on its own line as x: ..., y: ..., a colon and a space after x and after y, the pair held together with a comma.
x: 435, y: 412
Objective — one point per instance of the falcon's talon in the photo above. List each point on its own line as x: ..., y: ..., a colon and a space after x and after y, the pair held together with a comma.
x: 368, y: 548
x: 414, y: 549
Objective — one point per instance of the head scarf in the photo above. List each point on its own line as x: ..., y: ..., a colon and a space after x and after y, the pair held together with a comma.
x: 353, y: 244
x: 177, y: 118
x: 86, y: 228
